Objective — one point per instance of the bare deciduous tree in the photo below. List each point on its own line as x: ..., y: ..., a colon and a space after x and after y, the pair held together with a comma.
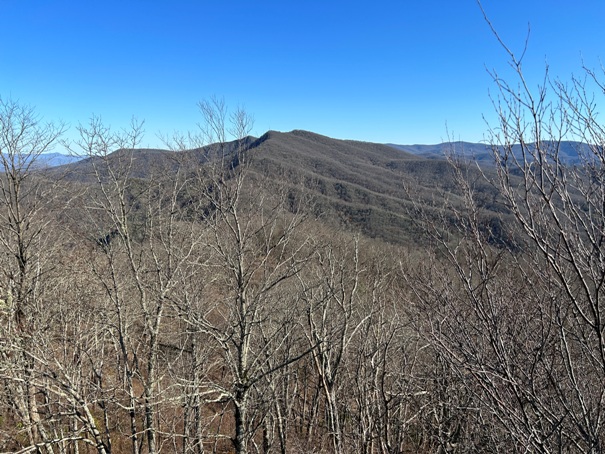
x: 521, y: 322
x: 257, y: 247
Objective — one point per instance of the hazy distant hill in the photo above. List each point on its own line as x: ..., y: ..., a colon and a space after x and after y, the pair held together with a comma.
x: 438, y: 151
x: 569, y: 151
x: 55, y: 159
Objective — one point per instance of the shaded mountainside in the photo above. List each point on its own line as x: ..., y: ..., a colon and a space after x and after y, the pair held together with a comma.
x: 366, y: 187
x: 369, y: 187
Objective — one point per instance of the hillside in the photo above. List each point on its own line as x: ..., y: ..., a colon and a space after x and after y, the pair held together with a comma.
x: 367, y: 187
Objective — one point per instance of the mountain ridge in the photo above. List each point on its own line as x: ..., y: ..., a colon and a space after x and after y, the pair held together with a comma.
x: 481, y: 152
x: 366, y: 187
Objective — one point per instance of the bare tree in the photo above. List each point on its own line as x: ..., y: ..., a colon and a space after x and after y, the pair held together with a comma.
x: 335, y: 318
x: 521, y: 320
x: 23, y: 194
x: 142, y: 253
x: 388, y: 390
x: 256, y: 247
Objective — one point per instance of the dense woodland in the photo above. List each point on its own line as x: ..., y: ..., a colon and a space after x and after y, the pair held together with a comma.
x: 204, y: 299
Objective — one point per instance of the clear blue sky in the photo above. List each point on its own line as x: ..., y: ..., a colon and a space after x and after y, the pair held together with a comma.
x: 381, y: 71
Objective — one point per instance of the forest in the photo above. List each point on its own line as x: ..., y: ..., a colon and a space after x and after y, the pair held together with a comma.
x: 199, y: 300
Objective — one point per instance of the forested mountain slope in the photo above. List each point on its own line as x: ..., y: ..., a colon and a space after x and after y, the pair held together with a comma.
x: 359, y: 186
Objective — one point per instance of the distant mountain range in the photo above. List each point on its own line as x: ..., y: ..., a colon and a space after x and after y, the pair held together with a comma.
x: 569, y: 151
x: 55, y: 159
